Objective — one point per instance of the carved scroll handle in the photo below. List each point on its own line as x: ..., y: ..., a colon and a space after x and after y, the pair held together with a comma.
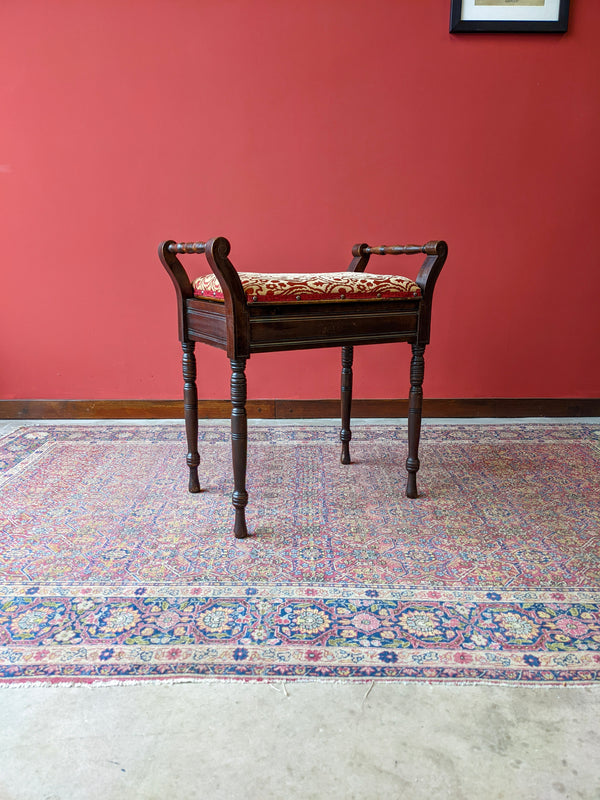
x: 187, y: 247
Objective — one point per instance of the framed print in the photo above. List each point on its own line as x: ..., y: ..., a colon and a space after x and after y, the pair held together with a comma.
x: 473, y: 16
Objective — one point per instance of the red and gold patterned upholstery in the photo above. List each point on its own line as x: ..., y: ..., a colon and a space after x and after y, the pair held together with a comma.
x: 312, y: 287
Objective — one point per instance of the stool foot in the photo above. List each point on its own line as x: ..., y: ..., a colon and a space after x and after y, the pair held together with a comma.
x: 411, y: 486
x: 194, y: 483
x: 346, y: 402
x: 240, y: 531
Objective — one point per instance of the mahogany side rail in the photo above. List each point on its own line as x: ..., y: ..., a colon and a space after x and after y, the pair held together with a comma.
x: 243, y: 328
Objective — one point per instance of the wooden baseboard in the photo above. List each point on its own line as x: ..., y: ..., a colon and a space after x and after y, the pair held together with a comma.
x: 299, y: 409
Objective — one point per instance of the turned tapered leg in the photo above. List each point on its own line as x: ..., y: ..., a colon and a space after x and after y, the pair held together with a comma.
x: 346, y: 433
x: 415, y: 403
x: 190, y: 407
x: 239, y: 445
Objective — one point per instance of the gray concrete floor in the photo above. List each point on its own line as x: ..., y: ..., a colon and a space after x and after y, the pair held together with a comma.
x: 298, y: 740
x: 313, y: 740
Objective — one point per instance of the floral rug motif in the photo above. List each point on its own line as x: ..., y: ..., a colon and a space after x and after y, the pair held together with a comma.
x: 111, y: 571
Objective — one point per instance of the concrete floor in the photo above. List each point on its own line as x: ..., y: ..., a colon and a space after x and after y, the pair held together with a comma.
x: 225, y: 741
x: 298, y: 740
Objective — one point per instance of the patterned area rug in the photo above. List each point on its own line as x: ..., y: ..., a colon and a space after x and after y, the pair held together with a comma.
x: 110, y: 570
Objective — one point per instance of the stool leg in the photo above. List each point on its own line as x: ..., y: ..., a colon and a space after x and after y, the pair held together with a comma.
x: 415, y: 403
x: 239, y: 445
x: 346, y: 433
x: 190, y: 407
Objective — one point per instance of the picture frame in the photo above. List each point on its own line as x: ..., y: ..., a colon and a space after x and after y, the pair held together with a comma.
x: 505, y: 16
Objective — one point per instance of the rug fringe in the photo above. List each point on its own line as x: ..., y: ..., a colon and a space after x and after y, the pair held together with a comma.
x: 445, y: 683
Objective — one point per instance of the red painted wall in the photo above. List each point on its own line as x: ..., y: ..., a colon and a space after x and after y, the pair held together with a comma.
x: 295, y: 129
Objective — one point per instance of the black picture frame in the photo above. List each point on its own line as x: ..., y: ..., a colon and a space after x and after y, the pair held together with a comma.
x: 505, y: 25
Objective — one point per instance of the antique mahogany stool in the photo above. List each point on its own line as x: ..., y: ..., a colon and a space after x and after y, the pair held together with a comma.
x: 248, y: 312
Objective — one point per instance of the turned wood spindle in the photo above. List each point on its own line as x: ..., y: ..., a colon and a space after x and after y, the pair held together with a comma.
x: 239, y: 444
x: 415, y: 404
x: 346, y: 402
x: 190, y: 408
x: 187, y: 247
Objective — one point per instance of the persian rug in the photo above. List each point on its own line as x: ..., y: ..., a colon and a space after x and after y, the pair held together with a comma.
x: 111, y: 571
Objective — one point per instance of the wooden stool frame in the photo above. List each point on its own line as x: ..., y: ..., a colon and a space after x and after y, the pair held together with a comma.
x: 242, y: 329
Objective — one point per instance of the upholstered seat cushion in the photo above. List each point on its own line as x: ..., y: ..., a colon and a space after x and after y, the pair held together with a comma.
x: 312, y: 287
